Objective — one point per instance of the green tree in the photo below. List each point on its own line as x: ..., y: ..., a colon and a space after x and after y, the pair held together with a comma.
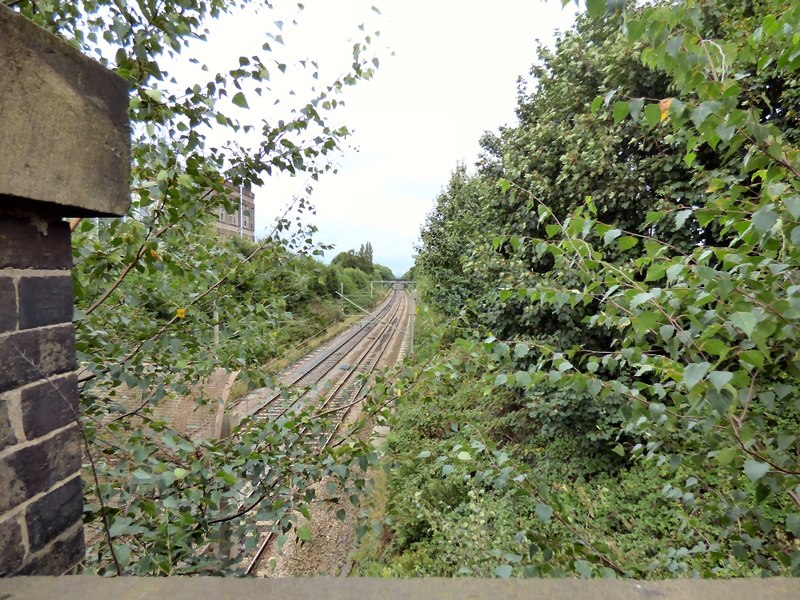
x: 149, y: 287
x: 351, y: 259
x: 630, y: 276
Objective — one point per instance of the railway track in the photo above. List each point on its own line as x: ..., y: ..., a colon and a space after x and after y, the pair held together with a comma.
x: 335, y: 378
x: 323, y: 368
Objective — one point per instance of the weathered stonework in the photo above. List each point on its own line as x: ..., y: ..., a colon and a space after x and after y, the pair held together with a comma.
x: 40, y: 454
x: 64, y: 152
x: 66, y: 138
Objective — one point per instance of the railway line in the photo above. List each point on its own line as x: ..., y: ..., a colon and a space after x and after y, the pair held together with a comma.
x: 334, y: 378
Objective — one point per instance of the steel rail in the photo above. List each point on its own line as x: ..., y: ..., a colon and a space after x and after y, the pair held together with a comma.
x: 368, y: 325
x: 386, y: 334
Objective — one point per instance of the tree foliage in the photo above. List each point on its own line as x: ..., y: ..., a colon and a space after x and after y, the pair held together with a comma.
x: 162, y: 304
x: 624, y: 267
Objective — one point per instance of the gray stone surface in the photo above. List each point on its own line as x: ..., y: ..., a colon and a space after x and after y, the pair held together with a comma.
x: 64, y: 123
x: 45, y: 300
x: 177, y: 588
x: 33, y: 354
x: 33, y: 240
x: 49, y: 405
x: 36, y: 468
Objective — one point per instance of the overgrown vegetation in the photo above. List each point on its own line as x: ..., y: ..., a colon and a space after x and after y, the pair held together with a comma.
x: 160, y: 305
x: 613, y: 386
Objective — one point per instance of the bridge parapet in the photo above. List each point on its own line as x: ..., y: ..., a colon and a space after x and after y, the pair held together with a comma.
x: 181, y: 588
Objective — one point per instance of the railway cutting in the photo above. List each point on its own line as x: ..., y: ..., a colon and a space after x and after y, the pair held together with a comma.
x: 335, y: 378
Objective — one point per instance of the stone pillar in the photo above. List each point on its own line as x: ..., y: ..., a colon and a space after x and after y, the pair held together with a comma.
x: 64, y: 152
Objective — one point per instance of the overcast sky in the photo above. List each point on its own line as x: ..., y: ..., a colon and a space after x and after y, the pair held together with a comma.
x: 452, y: 77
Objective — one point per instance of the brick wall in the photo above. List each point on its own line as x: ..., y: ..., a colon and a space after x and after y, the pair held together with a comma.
x: 187, y: 414
x: 41, y: 502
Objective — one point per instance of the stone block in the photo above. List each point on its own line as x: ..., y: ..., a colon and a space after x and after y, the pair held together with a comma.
x: 45, y: 300
x: 7, y: 435
x: 30, y: 355
x: 64, y: 118
x: 8, y: 304
x: 34, y: 242
x: 53, y: 514
x: 34, y: 469
x: 12, y: 548
x: 59, y: 558
x: 49, y: 405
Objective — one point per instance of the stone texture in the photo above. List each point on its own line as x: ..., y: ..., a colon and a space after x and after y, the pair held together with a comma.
x: 53, y: 514
x: 49, y: 405
x: 7, y: 435
x: 64, y: 118
x: 34, y: 242
x: 45, y: 301
x: 8, y: 304
x: 11, y: 547
x: 59, y: 558
x: 34, y: 469
x: 89, y: 587
x: 28, y: 356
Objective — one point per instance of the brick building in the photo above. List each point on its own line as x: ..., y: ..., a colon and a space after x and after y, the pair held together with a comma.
x: 240, y: 222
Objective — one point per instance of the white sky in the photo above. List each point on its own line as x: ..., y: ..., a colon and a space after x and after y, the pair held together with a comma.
x: 452, y: 77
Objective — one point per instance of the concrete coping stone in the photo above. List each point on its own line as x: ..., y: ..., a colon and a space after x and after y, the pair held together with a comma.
x: 187, y: 588
x: 64, y: 125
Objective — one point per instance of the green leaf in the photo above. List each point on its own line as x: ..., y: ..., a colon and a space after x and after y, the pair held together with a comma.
x: 503, y: 571
x: 793, y: 206
x: 621, y: 110
x: 240, y: 100
x: 719, y: 379
x: 424, y: 454
x: 627, y: 242
x: 523, y: 378
x: 521, y: 350
x: 702, y: 112
x: 596, y: 8
x: 544, y: 512
x: 727, y: 455
x: 155, y: 95
x: 304, y: 533
x: 583, y: 568
x: 635, y: 106
x: 447, y: 469
x: 123, y: 554
x: 611, y: 235
x: 652, y: 114
x: 552, y: 230
x: 142, y: 475
x: 755, y: 470
x: 765, y: 218
x: 694, y: 373
x: 793, y: 524
x: 681, y: 216
x: 745, y: 321
x: 464, y: 456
